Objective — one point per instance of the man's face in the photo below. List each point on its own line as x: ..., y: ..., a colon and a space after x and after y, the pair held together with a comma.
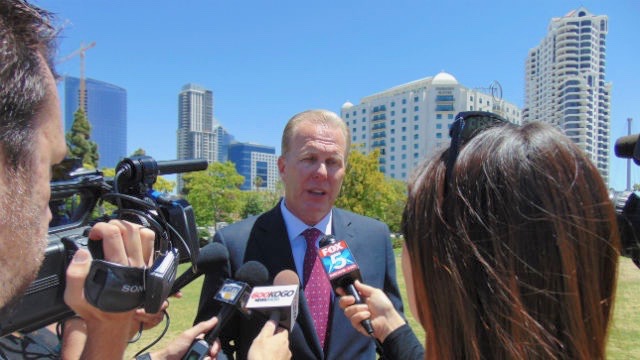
x: 313, y: 170
x: 24, y: 199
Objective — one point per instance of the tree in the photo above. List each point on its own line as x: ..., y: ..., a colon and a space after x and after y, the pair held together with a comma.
x: 214, y: 193
x: 257, y: 182
x: 139, y: 152
x: 164, y: 185
x: 366, y: 191
x: 79, y: 141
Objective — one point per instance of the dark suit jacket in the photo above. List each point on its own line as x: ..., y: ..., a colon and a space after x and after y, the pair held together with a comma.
x: 264, y: 238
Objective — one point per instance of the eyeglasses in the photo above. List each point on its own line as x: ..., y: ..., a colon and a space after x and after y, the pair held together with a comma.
x: 467, y: 125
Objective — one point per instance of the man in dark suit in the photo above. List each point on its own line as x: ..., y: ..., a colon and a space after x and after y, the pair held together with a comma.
x: 312, y: 166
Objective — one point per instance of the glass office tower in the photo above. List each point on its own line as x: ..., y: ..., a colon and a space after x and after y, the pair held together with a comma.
x: 106, y: 109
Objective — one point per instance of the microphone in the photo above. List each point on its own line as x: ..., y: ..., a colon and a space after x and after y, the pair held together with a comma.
x: 209, y: 258
x: 280, y: 301
x: 233, y: 294
x: 342, y: 270
x: 627, y: 147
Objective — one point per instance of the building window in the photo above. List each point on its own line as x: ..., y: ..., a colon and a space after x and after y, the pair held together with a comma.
x: 444, y: 107
x: 416, y: 108
x: 404, y: 147
x: 354, y: 113
x: 449, y: 116
x: 415, y: 118
x: 415, y: 146
x: 393, y: 122
x: 438, y: 135
x: 364, y: 111
x: 404, y: 101
x: 438, y: 126
x: 354, y: 130
x: 404, y: 111
x: 404, y: 120
x: 393, y: 149
x: 393, y: 103
x: 415, y: 99
x: 393, y: 112
x: 415, y: 127
x: 404, y: 156
x: 415, y: 136
x: 404, y: 129
x: 347, y: 116
x: 404, y: 138
x: 364, y: 128
x: 438, y: 116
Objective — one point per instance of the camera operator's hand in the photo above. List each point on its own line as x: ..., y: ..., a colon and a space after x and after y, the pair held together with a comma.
x: 123, y: 243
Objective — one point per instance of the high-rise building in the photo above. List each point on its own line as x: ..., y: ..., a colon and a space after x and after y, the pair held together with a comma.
x: 257, y: 163
x: 565, y: 83
x: 410, y: 122
x: 197, y: 132
x: 106, y: 110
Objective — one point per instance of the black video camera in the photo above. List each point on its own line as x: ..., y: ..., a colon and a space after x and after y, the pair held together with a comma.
x: 627, y: 203
x: 76, y: 195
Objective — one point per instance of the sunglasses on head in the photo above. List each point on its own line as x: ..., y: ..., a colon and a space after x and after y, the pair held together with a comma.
x: 467, y: 125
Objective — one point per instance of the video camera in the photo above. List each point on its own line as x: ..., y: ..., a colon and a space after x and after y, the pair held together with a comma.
x: 627, y: 203
x: 76, y: 195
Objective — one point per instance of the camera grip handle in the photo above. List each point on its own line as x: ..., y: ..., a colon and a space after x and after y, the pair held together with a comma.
x: 115, y: 288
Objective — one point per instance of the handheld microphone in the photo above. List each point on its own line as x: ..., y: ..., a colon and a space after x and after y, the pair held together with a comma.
x: 209, y: 258
x: 342, y: 270
x: 628, y: 147
x: 280, y: 301
x: 233, y: 294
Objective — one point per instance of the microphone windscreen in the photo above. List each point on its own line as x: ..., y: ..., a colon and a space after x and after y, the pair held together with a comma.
x: 253, y: 273
x: 625, y: 146
x: 286, y: 277
x: 211, y: 255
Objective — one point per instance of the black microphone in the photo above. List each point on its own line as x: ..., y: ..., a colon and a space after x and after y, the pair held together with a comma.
x: 627, y: 147
x: 342, y: 270
x: 211, y: 256
x: 233, y: 294
x: 278, y: 302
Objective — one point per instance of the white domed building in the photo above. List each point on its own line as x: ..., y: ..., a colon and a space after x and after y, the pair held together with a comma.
x: 409, y: 122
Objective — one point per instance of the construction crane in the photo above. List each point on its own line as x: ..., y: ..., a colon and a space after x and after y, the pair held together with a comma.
x: 83, y: 48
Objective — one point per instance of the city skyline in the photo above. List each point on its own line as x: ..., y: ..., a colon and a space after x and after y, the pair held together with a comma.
x: 265, y: 62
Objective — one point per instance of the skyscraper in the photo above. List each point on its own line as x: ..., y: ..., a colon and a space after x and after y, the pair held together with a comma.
x: 565, y: 83
x: 106, y: 109
x: 410, y: 122
x: 199, y: 135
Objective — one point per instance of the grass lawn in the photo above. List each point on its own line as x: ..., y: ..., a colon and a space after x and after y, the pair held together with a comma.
x: 624, y: 336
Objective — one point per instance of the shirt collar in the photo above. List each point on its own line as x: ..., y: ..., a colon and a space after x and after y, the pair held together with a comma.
x: 295, y: 226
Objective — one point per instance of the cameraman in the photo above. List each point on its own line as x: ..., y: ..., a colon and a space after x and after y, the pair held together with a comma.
x: 31, y: 142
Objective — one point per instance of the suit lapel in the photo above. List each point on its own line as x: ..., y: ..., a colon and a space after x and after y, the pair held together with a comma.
x: 269, y: 244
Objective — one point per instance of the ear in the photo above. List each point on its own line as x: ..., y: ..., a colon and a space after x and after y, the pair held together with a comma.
x: 281, y: 165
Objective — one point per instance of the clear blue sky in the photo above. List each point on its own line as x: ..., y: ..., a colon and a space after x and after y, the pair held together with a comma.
x: 267, y: 60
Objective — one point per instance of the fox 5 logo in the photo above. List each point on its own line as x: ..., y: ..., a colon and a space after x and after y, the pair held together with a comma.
x: 336, y: 257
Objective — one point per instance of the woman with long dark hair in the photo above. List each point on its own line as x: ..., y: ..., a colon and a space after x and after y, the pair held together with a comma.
x: 511, y: 248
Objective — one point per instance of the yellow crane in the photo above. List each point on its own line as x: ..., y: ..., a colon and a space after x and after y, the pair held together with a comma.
x: 82, y: 95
